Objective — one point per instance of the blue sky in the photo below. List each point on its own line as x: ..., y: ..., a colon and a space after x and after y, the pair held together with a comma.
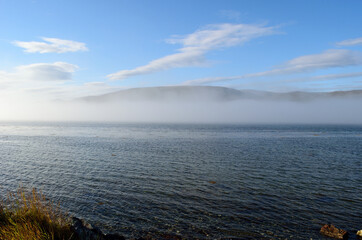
x: 65, y: 49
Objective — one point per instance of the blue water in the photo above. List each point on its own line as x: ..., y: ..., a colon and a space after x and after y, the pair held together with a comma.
x: 195, y: 181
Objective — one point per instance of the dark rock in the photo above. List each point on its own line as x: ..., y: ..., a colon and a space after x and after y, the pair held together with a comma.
x: 113, y: 237
x: 154, y: 235
x: 331, y: 231
x: 86, y: 231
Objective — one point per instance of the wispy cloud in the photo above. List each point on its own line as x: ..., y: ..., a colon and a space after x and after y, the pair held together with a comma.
x: 71, y: 91
x: 51, y: 45
x: 350, y: 42
x: 209, y: 80
x: 197, y: 44
x: 328, y: 59
x: 338, y: 76
x: 183, y: 59
x: 314, y: 83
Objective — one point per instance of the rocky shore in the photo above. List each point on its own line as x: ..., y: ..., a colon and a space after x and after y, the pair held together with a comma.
x: 86, y: 231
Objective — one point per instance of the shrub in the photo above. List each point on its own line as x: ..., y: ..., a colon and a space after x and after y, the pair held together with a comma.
x: 29, y: 216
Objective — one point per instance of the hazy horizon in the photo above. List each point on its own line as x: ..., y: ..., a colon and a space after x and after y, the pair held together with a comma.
x: 194, y: 108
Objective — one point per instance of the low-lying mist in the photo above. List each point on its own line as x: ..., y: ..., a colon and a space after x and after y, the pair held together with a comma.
x: 329, y: 110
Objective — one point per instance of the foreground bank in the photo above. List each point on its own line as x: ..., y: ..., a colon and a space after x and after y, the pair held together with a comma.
x: 30, y: 216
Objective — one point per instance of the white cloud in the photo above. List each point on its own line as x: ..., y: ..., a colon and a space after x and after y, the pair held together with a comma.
x: 328, y: 59
x: 52, y: 81
x: 58, y: 71
x: 350, y: 42
x: 51, y: 45
x: 195, y: 45
x: 38, y: 75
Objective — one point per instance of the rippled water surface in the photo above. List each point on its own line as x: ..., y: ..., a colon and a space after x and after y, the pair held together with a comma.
x: 196, y: 181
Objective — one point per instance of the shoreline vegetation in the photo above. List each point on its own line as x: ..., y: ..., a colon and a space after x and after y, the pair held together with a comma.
x: 28, y: 215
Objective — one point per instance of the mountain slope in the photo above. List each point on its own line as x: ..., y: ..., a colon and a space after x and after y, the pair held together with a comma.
x: 209, y: 93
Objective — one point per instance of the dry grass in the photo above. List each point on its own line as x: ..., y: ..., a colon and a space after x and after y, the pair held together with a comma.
x: 29, y: 216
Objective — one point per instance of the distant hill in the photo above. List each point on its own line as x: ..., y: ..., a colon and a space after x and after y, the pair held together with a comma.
x: 209, y: 93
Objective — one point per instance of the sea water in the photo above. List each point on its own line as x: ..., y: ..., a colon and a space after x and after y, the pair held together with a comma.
x: 195, y: 181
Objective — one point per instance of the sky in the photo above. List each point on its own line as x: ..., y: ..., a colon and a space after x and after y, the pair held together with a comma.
x: 62, y: 50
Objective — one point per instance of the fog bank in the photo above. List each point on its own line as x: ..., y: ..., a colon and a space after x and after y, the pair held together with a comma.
x: 341, y: 111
